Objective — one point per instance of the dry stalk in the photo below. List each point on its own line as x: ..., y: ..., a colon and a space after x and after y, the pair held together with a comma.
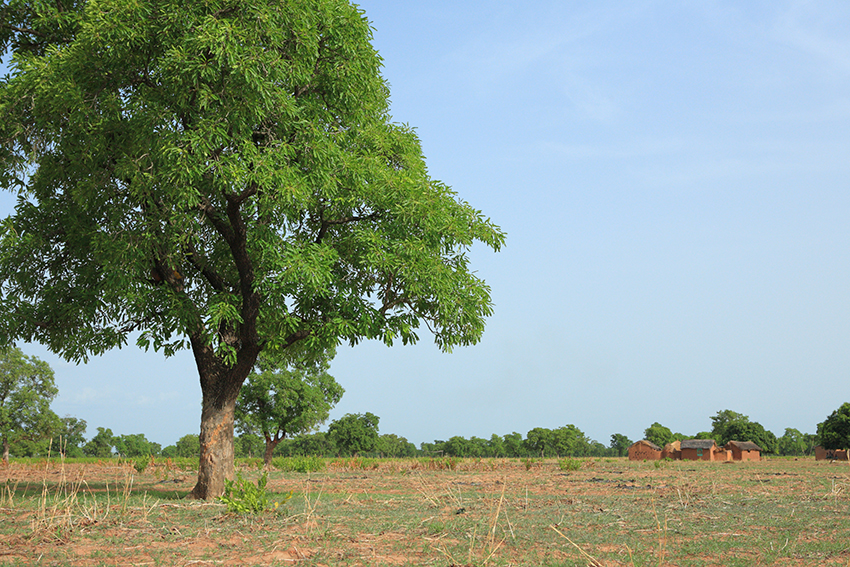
x: 592, y: 561
x: 310, y: 507
x: 424, y: 491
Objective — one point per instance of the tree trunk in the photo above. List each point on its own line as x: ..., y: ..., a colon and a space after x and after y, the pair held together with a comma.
x: 216, y: 458
x: 220, y: 387
x: 271, y: 444
x: 5, y: 450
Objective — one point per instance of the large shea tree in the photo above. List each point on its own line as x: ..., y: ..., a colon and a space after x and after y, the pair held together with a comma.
x: 223, y: 176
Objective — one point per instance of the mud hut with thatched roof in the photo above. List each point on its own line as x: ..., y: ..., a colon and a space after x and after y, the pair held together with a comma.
x: 672, y: 451
x: 644, y: 450
x: 703, y: 450
x: 744, y: 450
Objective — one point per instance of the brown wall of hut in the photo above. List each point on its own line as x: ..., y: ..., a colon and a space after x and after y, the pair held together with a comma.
x: 639, y: 452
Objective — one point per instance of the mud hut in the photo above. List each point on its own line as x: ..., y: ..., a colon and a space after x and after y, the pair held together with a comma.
x: 822, y: 454
x: 644, y: 450
x: 672, y: 451
x: 744, y: 450
x: 703, y: 450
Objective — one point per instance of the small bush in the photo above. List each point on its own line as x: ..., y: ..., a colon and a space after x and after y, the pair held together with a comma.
x: 569, y: 464
x: 243, y: 497
x: 299, y: 464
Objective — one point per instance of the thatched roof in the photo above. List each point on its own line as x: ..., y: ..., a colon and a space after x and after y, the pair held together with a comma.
x: 743, y: 445
x: 697, y: 443
x: 649, y: 444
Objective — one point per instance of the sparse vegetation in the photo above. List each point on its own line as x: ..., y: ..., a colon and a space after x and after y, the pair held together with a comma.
x: 490, y: 512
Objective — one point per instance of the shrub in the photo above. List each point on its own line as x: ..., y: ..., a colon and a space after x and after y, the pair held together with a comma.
x: 299, y: 464
x: 243, y: 497
x: 569, y: 464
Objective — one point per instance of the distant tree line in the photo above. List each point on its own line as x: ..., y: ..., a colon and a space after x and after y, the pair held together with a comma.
x: 357, y: 434
x: 728, y: 426
x: 274, y: 422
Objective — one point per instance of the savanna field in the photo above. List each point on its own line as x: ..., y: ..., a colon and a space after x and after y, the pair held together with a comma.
x: 442, y: 512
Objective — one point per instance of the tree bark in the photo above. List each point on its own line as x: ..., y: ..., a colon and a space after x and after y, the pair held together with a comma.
x: 216, y: 440
x: 220, y: 387
x: 271, y: 443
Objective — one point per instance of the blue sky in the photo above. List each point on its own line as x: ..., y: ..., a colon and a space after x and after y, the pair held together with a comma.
x: 673, y: 178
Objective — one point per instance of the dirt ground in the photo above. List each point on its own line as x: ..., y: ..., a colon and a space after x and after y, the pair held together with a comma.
x: 436, y: 512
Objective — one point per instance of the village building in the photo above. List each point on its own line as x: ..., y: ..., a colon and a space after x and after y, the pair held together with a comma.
x: 822, y: 454
x: 703, y: 450
x: 644, y: 450
x: 744, y: 450
x: 672, y: 451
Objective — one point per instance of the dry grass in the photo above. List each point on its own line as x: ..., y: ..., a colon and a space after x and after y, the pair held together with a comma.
x: 479, y: 513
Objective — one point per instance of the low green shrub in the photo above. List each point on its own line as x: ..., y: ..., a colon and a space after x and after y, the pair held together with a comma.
x: 243, y: 497
x: 299, y: 464
x: 569, y: 464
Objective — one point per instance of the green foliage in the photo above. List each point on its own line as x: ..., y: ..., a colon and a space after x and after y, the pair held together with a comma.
x: 392, y: 445
x: 141, y: 464
x: 285, y: 398
x: 658, y: 434
x: 355, y: 433
x: 728, y: 426
x: 242, y: 497
x: 135, y: 445
x: 249, y: 445
x: 101, y: 444
x: 69, y: 439
x: 620, y: 444
x: 564, y: 441
x: 570, y: 464
x: 188, y: 446
x: 26, y: 389
x: 224, y: 177
x: 834, y: 431
x: 300, y: 464
x: 795, y: 443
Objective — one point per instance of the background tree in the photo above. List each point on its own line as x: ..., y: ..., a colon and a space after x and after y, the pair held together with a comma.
x: 658, y: 434
x: 135, y: 445
x: 249, y: 445
x: 101, y: 444
x: 353, y: 434
x: 620, y: 444
x: 69, y: 438
x: 514, y: 445
x: 834, y: 431
x: 569, y: 440
x: 224, y: 177
x: 26, y: 390
x: 278, y: 402
x: 538, y: 442
x: 317, y: 444
x: 732, y: 426
x: 793, y: 442
x: 392, y: 445
x: 496, y: 446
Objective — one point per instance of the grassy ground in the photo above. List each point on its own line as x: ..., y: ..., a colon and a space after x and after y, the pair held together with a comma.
x: 436, y: 512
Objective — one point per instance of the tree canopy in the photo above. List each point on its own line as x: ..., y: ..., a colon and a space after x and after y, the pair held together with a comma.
x: 834, y: 431
x: 222, y: 176
x: 283, y: 401
x: 658, y: 434
x: 355, y: 433
x: 732, y: 426
x: 26, y: 390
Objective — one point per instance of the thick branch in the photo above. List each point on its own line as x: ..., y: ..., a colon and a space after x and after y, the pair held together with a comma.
x: 326, y: 224
x: 199, y: 263
x: 23, y: 30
